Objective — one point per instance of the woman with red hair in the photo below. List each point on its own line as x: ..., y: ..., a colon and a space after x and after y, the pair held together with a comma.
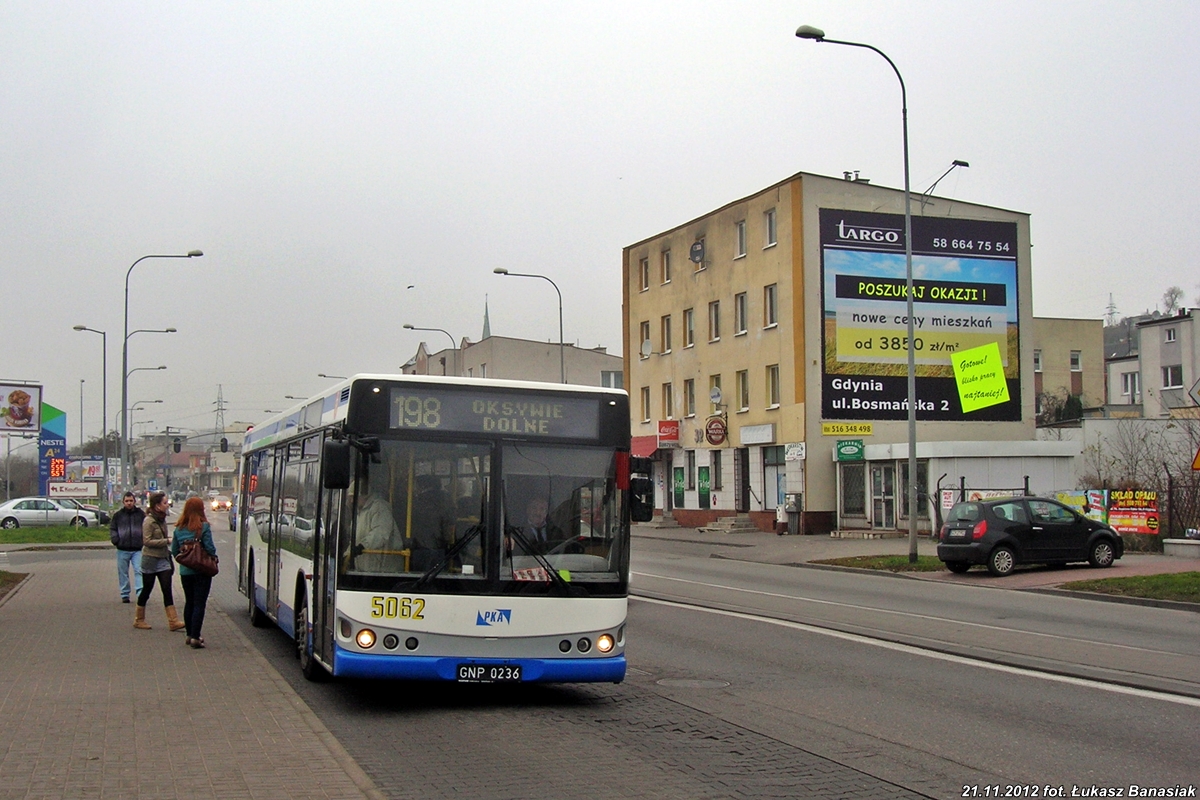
x: 192, y: 524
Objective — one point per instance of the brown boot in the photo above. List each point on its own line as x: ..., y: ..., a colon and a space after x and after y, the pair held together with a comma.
x: 173, y: 620
x: 139, y: 619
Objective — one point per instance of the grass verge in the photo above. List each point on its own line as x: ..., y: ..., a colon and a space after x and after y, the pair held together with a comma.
x: 887, y: 563
x: 1182, y: 587
x: 53, y: 535
x: 9, y: 581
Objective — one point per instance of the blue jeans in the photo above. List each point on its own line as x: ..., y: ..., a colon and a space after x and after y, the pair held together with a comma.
x: 126, y: 559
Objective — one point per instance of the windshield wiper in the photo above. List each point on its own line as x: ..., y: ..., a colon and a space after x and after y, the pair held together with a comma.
x: 473, y: 532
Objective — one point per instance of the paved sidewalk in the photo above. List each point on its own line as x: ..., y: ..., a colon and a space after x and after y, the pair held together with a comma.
x: 769, y: 548
x: 93, y: 708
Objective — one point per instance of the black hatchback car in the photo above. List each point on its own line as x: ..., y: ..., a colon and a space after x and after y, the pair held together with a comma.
x: 1004, y: 532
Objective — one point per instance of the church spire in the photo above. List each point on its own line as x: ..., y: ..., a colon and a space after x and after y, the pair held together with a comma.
x: 487, y: 325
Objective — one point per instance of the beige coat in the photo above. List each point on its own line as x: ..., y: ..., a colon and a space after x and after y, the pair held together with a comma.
x: 156, y: 542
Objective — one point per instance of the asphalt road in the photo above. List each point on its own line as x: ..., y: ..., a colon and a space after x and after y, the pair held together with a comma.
x: 751, y: 680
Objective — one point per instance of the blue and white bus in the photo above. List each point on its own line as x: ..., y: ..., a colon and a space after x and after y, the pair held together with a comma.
x: 455, y: 529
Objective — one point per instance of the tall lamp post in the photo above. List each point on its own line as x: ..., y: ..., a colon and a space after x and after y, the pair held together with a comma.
x: 818, y: 35
x: 104, y: 399
x: 562, y: 363
x: 453, y: 344
x: 125, y: 362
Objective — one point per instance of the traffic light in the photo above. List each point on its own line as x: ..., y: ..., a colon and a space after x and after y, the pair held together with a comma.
x: 177, y: 444
x: 224, y: 445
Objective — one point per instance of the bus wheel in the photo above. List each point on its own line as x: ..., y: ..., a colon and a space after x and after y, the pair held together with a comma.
x: 257, y: 618
x: 309, y: 666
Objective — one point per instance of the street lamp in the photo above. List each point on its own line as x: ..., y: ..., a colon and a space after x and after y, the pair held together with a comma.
x: 331, y: 377
x: 562, y: 364
x: 103, y: 401
x: 293, y: 397
x: 453, y: 344
x: 818, y: 35
x: 125, y: 362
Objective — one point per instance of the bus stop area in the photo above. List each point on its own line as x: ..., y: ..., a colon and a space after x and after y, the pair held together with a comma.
x: 90, y: 707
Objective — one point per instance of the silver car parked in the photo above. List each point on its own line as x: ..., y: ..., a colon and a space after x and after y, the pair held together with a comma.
x: 31, y: 511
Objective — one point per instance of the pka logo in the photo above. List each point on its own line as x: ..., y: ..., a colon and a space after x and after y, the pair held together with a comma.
x: 497, y: 616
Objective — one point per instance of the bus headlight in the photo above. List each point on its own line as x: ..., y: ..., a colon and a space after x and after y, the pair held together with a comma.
x: 365, y: 638
x: 604, y: 643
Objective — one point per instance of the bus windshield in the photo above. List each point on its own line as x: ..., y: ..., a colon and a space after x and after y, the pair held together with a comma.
x: 412, y: 503
x: 561, y: 509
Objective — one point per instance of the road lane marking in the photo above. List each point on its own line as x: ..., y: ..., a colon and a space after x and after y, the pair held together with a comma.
x: 926, y: 617
x: 1086, y: 683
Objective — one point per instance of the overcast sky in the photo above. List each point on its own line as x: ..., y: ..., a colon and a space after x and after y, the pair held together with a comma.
x: 326, y: 157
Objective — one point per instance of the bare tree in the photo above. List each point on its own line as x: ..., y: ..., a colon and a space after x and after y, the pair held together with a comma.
x: 1171, y: 300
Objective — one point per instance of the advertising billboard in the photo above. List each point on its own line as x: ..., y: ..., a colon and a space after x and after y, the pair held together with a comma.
x: 964, y: 297
x: 20, y: 408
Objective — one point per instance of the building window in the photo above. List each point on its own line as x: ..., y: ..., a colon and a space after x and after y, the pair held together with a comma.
x: 1076, y: 361
x: 691, y: 469
x: 714, y: 463
x: 770, y: 306
x: 1037, y: 360
x: 740, y: 231
x: 643, y: 350
x: 668, y: 400
x: 739, y: 314
x: 689, y: 397
x: 769, y: 224
x: 666, y: 334
x: 714, y: 382
x: 1173, y: 377
x: 666, y: 266
x: 612, y: 379
x: 1170, y: 335
x: 700, y: 263
x: 689, y: 327
x: 645, y: 404
x: 483, y: 370
x: 714, y: 321
x: 773, y: 386
x: 1130, y: 385
x: 743, y: 390
x: 645, y: 274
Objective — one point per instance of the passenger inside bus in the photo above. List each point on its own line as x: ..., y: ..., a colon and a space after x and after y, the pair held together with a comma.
x: 432, y: 523
x: 380, y: 543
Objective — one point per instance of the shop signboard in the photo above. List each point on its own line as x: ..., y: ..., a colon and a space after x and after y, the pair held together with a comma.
x: 849, y: 450
x: 703, y: 484
x: 964, y: 297
x: 1092, y: 503
x: 678, y: 486
x: 1133, y: 511
x: 668, y: 433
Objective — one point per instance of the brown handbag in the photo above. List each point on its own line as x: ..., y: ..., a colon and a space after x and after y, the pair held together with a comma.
x: 193, y: 556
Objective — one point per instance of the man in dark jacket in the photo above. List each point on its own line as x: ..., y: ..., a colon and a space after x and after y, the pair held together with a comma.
x: 125, y: 532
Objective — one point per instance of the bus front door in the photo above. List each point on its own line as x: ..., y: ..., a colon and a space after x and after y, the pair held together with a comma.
x: 325, y: 575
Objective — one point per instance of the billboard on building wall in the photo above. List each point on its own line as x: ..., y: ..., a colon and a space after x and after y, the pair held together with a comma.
x: 964, y: 296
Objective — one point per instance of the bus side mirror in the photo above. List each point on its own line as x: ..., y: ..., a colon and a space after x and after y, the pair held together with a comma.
x: 641, y: 499
x: 335, y: 464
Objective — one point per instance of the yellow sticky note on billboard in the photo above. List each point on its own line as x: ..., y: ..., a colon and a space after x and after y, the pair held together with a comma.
x: 979, y: 373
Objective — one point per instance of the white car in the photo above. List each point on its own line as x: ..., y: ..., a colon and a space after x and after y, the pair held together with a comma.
x: 31, y: 511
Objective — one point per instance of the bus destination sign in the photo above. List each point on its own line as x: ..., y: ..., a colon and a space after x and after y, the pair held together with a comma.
x: 417, y: 408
